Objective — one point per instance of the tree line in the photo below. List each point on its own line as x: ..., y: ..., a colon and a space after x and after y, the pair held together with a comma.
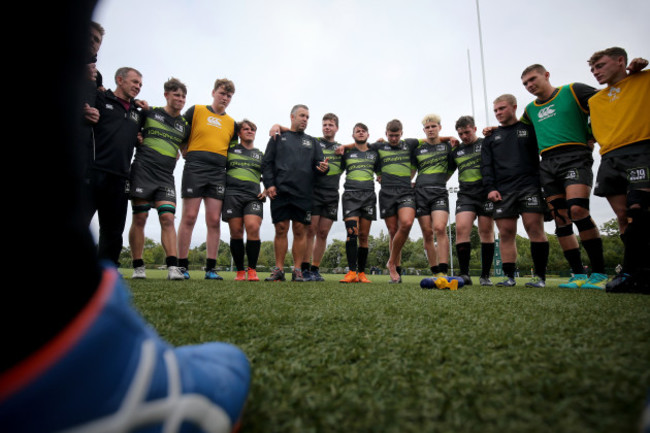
x: 413, y: 254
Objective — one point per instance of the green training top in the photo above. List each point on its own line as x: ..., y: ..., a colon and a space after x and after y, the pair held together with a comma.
x: 395, y: 163
x: 244, y: 170
x: 360, y: 167
x: 560, y: 121
x: 333, y: 176
x: 467, y: 158
x: 433, y: 163
x: 162, y: 137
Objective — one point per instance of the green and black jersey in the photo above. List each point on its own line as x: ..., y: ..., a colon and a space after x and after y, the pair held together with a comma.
x: 244, y: 170
x: 360, y: 167
x: 467, y: 159
x: 162, y: 136
x: 563, y: 119
x: 433, y: 162
x: 333, y: 177
x: 395, y: 163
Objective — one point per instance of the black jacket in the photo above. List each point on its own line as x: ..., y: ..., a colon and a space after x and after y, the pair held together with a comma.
x: 115, y: 134
x: 289, y: 164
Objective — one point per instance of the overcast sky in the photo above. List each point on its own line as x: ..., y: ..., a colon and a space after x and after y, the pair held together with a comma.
x: 365, y: 60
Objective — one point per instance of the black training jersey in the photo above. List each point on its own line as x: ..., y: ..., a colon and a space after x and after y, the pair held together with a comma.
x: 509, y: 159
x: 360, y: 167
x: 395, y: 163
x: 162, y: 134
x: 433, y: 163
x: 332, y: 179
x: 244, y: 170
x: 467, y: 159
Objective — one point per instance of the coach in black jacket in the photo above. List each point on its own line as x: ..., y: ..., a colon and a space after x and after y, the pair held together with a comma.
x: 115, y: 137
x: 291, y: 160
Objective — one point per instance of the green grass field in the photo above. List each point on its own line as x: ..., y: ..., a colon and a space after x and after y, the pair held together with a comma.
x: 330, y: 357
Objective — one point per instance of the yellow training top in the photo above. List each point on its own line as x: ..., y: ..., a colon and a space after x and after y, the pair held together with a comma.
x: 620, y: 114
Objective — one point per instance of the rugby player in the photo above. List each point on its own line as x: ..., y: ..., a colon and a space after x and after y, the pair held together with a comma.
x: 242, y: 206
x: 204, y: 173
x: 472, y: 202
x: 432, y: 158
x: 510, y: 170
x: 619, y: 116
x: 560, y: 116
x: 152, y: 177
x: 359, y: 203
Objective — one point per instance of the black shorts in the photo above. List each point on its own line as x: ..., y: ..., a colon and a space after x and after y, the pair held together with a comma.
x: 623, y: 170
x: 429, y: 199
x: 476, y: 203
x: 325, y: 203
x: 284, y: 209
x: 149, y: 182
x: 238, y: 205
x: 559, y: 170
x: 513, y: 204
x: 392, y: 199
x: 204, y: 181
x: 360, y: 203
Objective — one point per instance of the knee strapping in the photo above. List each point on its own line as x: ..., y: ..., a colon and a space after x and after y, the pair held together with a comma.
x: 166, y: 208
x: 351, y: 229
x: 585, y: 224
x: 141, y: 208
x: 558, y: 205
x: 564, y: 231
x: 578, y: 201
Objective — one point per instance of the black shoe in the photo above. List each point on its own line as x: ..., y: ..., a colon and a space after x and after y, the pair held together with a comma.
x: 276, y: 275
x: 467, y: 280
x: 637, y: 283
x: 296, y: 276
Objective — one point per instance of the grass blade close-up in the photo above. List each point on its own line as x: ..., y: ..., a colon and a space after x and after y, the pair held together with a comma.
x: 380, y: 357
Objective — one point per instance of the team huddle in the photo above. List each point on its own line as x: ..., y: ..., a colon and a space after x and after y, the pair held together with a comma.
x: 534, y: 166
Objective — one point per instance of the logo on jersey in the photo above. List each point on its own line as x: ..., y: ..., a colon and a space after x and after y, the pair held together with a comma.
x: 257, y: 156
x: 546, y: 113
x: 306, y: 143
x: 214, y: 121
x: 522, y: 133
x: 180, y: 128
x: 613, y: 93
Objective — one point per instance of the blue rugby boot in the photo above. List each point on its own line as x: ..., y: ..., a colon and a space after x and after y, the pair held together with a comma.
x: 108, y: 371
x: 211, y: 274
